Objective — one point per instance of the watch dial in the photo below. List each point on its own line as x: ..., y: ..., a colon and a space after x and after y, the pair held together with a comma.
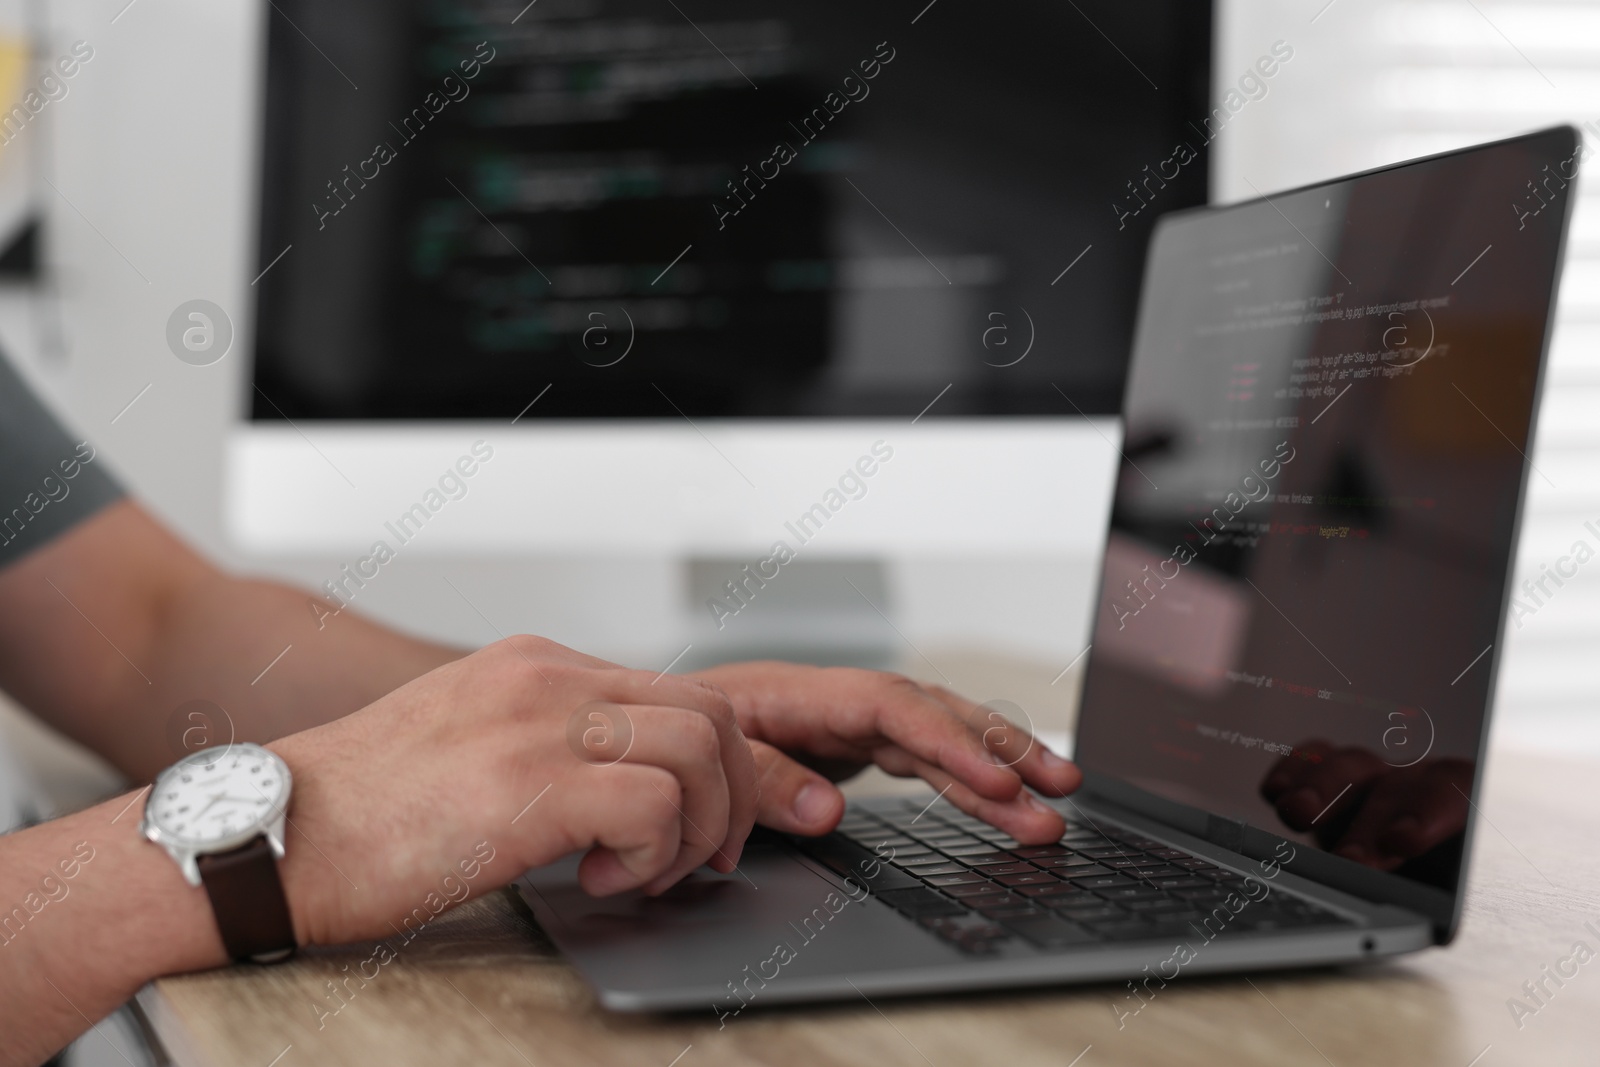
x: 219, y: 793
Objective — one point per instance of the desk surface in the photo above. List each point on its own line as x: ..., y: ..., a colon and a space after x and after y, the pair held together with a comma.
x: 483, y: 986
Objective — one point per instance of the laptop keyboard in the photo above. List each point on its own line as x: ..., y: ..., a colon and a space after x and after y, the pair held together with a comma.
x: 978, y: 888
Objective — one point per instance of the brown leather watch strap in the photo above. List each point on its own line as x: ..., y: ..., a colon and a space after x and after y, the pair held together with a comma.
x: 247, y: 899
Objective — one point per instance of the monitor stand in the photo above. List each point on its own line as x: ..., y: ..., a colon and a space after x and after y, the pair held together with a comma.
x: 830, y: 612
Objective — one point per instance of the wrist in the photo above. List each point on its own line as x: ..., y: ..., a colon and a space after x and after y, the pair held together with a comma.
x: 95, y: 911
x: 305, y: 874
x: 180, y: 914
x: 135, y: 915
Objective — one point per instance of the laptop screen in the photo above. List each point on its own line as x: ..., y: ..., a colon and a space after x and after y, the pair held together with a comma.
x: 1328, y: 417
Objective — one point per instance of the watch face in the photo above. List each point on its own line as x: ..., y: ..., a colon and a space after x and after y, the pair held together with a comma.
x: 216, y: 795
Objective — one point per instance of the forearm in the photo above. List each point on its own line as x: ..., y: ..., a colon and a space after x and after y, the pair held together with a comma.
x: 258, y: 651
x: 113, y: 629
x: 89, y: 912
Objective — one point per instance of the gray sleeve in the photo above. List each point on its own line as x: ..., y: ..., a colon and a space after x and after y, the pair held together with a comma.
x: 49, y: 481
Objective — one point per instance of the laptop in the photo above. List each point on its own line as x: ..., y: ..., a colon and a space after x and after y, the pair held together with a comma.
x: 1330, y: 403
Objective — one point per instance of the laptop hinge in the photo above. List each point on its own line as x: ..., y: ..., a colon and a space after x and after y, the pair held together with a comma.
x: 1226, y: 833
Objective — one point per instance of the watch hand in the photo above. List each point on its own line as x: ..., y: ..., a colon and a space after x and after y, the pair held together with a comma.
x: 209, y: 804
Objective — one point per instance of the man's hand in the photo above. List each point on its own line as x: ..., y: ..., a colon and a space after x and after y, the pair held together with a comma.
x: 836, y: 721
x: 391, y: 799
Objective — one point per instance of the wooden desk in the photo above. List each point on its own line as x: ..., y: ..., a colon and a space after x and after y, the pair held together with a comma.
x: 483, y: 986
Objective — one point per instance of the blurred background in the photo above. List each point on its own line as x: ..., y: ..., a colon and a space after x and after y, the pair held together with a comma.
x: 182, y: 161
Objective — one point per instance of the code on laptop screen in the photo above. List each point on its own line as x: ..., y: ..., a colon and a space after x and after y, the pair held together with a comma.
x: 1329, y: 414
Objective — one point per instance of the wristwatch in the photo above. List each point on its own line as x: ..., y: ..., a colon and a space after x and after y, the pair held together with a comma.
x: 220, y: 814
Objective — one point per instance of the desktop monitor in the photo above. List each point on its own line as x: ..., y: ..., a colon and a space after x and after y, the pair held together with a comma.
x: 682, y: 264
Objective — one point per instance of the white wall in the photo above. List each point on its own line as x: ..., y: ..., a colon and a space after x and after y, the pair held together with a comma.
x: 151, y: 157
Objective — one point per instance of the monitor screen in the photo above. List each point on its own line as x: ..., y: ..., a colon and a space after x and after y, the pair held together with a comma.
x: 1329, y: 412
x: 762, y: 208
